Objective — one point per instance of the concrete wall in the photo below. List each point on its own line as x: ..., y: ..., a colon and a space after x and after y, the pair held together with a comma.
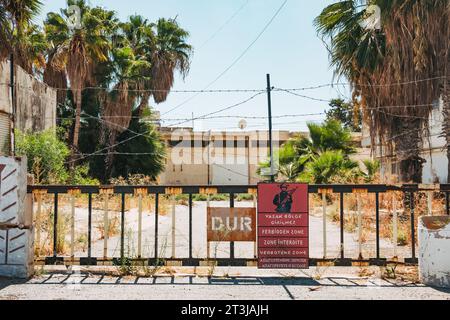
x: 16, y: 231
x: 434, y: 251
x: 36, y: 102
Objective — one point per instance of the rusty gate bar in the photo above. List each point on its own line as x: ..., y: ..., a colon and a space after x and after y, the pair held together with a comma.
x: 190, y: 225
x: 156, y: 224
x: 341, y: 208
x: 377, y: 222
x: 122, y: 229
x: 231, y: 243
x: 413, y: 233
x: 90, y: 225
x: 55, y: 227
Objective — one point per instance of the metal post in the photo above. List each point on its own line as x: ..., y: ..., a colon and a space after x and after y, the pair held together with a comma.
x: 13, y: 106
x: 173, y: 227
x: 341, y: 200
x: 38, y: 222
x: 190, y: 226
x: 55, y: 227
x: 377, y: 213
x: 156, y: 224
x: 122, y: 228
x: 209, y: 157
x: 72, y: 226
x: 140, y: 226
x: 255, y: 245
x: 324, y: 222
x: 358, y: 203
x: 231, y: 243
x: 89, y: 225
x: 269, y: 103
x: 413, y: 231
x: 208, y: 247
x: 106, y: 227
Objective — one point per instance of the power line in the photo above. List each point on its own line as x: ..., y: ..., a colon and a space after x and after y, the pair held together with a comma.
x: 144, y: 133
x: 225, y: 24
x: 206, y: 118
x: 233, y: 90
x: 236, y: 60
x: 220, y: 110
x: 303, y: 96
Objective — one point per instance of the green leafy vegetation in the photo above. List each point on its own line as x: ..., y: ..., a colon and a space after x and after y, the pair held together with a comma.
x: 47, y: 157
x: 128, y: 62
x: 322, y: 157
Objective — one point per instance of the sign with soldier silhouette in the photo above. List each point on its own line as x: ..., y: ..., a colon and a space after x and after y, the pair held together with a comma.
x: 283, y: 226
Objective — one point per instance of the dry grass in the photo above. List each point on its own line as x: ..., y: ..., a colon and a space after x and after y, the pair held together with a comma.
x: 386, y: 212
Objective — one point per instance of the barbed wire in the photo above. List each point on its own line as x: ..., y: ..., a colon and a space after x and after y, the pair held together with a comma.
x: 147, y: 132
x: 236, y: 90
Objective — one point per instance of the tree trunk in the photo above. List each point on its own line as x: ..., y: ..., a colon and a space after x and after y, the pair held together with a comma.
x: 109, y: 159
x: 446, y: 124
x: 76, y: 130
x: 407, y: 148
x: 144, y: 103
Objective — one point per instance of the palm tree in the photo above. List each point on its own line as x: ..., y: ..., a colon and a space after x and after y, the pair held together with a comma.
x: 17, y: 30
x: 329, y: 167
x: 295, y: 155
x: 170, y: 53
x: 76, y: 51
x: 393, y: 55
x: 5, y: 32
x: 31, y: 50
x: 145, y: 58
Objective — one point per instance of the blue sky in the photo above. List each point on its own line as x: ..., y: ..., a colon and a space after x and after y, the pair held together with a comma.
x: 289, y: 50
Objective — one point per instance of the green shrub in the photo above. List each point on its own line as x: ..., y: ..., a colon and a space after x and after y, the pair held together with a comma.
x: 402, y: 238
x: 46, y: 156
x: 47, y: 159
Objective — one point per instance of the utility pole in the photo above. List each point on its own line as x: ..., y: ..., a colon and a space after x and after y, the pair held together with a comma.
x: 13, y: 106
x: 269, y: 103
x: 209, y: 158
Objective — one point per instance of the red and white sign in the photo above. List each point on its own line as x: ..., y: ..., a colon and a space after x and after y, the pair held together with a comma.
x: 283, y: 226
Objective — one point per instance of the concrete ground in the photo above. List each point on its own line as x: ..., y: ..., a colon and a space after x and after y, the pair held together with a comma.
x: 331, y: 283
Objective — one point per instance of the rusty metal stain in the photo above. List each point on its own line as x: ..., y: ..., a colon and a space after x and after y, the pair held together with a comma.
x: 435, y: 223
x: 106, y: 191
x: 208, y: 191
x: 325, y: 190
x: 74, y: 192
x: 39, y: 191
x: 174, y: 191
x: 140, y: 191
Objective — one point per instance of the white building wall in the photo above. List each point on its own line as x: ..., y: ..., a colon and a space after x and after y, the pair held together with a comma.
x: 433, y: 150
x: 436, y: 166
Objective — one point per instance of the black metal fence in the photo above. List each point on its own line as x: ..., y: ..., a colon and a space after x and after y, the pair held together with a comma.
x: 409, y: 193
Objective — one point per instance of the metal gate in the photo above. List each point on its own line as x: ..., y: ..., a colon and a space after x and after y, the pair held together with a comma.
x: 399, y: 205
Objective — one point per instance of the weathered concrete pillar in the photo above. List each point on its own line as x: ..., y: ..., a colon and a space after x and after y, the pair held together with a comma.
x: 434, y: 251
x: 16, y: 220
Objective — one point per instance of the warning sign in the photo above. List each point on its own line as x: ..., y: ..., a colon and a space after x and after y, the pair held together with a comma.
x: 283, y: 226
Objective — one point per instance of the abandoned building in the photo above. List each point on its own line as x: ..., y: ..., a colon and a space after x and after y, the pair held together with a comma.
x: 35, y: 105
